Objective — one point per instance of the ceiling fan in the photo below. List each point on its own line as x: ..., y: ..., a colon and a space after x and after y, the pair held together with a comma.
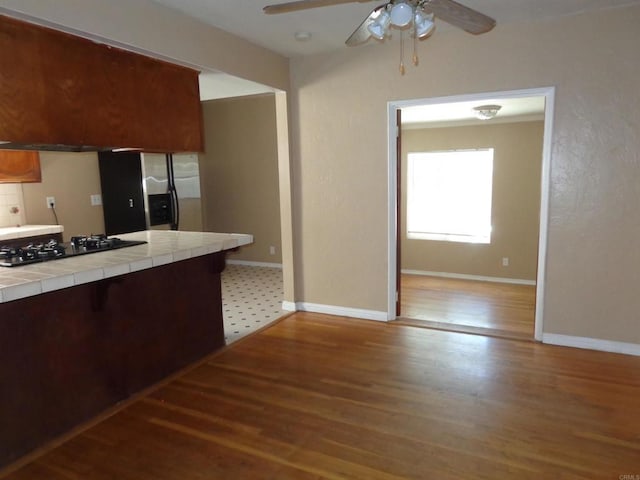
x: 401, y: 14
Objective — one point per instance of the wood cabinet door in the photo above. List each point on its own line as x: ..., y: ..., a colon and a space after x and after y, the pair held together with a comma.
x: 66, y: 90
x: 19, y: 166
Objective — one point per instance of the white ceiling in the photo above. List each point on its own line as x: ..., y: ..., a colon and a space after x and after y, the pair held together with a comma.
x: 215, y: 85
x: 331, y: 26
x: 462, y: 113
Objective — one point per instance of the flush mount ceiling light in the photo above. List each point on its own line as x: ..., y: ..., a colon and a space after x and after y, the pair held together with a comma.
x: 302, y: 36
x: 486, y: 112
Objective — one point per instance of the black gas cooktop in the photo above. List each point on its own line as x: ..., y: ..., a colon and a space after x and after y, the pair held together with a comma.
x: 15, y: 256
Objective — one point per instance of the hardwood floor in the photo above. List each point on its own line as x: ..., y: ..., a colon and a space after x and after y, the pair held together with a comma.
x: 322, y: 397
x: 473, y: 306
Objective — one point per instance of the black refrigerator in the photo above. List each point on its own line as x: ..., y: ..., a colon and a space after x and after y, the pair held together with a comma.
x: 143, y: 191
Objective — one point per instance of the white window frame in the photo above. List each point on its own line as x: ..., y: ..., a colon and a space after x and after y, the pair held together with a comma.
x: 418, y: 228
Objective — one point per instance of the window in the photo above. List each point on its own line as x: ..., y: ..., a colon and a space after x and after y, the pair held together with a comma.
x: 449, y: 195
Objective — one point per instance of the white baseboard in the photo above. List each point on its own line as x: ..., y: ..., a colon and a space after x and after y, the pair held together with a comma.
x: 254, y: 264
x: 463, y: 276
x: 339, y: 311
x: 289, y: 306
x: 591, y: 344
x: 548, y: 338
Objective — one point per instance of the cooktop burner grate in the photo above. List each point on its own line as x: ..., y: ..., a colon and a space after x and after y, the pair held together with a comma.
x: 15, y: 256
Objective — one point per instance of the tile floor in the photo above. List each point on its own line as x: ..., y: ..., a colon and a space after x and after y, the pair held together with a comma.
x: 251, y: 299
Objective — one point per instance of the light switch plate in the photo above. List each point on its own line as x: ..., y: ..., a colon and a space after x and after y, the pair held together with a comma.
x: 96, y: 200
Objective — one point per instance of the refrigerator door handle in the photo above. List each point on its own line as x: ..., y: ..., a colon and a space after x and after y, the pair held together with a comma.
x: 176, y: 209
x: 171, y: 187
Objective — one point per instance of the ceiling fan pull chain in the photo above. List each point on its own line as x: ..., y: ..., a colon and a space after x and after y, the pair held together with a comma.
x: 402, y: 70
x: 415, y: 58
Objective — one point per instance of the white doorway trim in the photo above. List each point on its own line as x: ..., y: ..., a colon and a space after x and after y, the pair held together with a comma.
x: 549, y: 94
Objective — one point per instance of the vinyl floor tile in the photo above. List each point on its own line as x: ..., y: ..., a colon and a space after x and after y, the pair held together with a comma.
x: 251, y: 298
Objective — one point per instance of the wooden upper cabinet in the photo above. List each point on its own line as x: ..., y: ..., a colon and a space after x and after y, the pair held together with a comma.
x: 59, y: 89
x: 19, y: 166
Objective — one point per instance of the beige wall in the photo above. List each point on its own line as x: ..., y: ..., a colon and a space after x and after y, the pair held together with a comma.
x: 339, y: 160
x: 515, y: 202
x: 239, y: 173
x: 71, y: 178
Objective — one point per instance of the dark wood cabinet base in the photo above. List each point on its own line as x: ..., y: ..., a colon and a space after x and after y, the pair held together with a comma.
x: 67, y: 355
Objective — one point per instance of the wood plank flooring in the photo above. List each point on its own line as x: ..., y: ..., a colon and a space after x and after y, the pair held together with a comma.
x: 447, y: 303
x: 321, y: 397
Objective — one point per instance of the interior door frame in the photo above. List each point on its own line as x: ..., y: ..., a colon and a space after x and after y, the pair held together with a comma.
x: 392, y: 190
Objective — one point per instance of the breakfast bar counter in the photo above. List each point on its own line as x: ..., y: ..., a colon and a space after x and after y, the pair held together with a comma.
x: 162, y: 247
x: 26, y: 231
x: 80, y: 334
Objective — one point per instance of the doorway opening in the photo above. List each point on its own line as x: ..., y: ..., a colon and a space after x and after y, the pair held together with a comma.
x: 247, y: 188
x: 494, y: 286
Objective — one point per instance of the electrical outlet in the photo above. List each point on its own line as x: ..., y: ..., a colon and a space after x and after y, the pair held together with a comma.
x: 51, y: 202
x: 272, y: 250
x: 96, y: 200
x: 505, y: 261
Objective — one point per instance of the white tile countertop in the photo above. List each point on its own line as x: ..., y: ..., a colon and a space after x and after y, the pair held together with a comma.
x: 9, y: 233
x: 162, y: 247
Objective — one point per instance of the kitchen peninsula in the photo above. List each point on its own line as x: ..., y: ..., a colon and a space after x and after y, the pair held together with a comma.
x: 12, y: 234
x: 78, y: 335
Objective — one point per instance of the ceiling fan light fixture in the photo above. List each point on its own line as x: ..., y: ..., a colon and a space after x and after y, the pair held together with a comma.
x: 378, y: 28
x: 424, y: 24
x: 401, y: 14
x: 486, y: 112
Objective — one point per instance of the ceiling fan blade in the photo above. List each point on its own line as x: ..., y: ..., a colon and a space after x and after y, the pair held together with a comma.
x: 460, y: 16
x: 361, y: 34
x: 304, y: 5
